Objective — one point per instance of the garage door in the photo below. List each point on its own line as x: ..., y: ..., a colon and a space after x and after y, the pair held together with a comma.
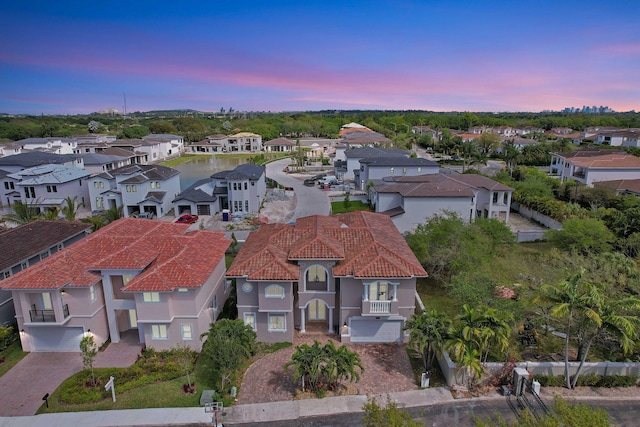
x: 376, y: 330
x: 204, y: 209
x: 56, y: 339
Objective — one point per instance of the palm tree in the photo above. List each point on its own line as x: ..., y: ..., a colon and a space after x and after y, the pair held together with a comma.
x: 96, y: 221
x: 465, y: 353
x: 70, y: 208
x: 468, y: 150
x: 568, y: 301
x: 429, y: 332
x: 307, y: 362
x: 50, y: 214
x: 22, y: 213
x: 618, y: 317
x: 341, y: 364
x: 497, y: 329
x: 114, y: 213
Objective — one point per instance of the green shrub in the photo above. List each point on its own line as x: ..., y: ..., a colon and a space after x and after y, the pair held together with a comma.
x: 550, y: 380
x: 590, y: 380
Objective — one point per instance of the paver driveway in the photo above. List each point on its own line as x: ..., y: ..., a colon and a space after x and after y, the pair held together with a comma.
x: 22, y: 388
x: 387, y: 369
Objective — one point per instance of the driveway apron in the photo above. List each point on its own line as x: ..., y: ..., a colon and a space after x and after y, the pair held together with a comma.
x: 22, y: 388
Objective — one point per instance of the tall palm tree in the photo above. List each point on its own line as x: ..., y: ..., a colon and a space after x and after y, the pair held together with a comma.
x: 428, y: 334
x: 70, y: 208
x: 616, y: 316
x: 22, y: 213
x: 465, y: 353
x: 568, y: 301
x: 497, y: 329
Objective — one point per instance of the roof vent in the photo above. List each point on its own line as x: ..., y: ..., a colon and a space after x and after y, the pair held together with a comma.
x: 344, y: 226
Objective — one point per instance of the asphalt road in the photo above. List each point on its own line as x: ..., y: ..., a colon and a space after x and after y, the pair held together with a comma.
x: 309, y: 200
x: 622, y: 413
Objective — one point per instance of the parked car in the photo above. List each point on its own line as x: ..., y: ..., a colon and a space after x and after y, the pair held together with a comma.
x: 147, y: 215
x: 331, y: 180
x: 309, y: 182
x: 187, y: 219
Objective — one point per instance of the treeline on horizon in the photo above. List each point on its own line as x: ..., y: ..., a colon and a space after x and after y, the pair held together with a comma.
x: 196, y: 126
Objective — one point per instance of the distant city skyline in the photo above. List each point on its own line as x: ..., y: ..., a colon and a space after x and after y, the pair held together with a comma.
x: 491, y: 56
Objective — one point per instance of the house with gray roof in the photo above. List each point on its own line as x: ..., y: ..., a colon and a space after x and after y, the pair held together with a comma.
x: 28, y: 244
x: 18, y: 162
x: 54, y: 145
x: 46, y: 186
x: 240, y: 190
x: 374, y: 168
x: 411, y: 200
x: 137, y: 188
x: 97, y: 162
x: 347, y: 160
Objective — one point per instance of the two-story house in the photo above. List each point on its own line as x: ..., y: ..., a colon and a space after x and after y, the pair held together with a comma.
x: 46, y: 187
x: 137, y: 188
x: 28, y: 244
x: 352, y: 274
x: 244, y: 142
x: 240, y: 190
x: 590, y: 166
x: 374, y: 168
x: 149, y: 278
x: 412, y: 200
x: 346, y: 168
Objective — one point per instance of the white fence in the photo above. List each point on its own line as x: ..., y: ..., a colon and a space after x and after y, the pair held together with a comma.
x: 545, y: 220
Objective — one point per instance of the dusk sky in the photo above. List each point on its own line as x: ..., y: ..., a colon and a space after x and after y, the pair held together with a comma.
x: 73, y: 57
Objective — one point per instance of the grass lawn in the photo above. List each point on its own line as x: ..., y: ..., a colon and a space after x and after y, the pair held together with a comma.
x: 355, y: 205
x: 184, y: 158
x: 164, y: 394
x: 11, y: 355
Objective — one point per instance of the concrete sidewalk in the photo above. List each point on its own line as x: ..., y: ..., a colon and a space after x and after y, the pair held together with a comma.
x: 239, y: 414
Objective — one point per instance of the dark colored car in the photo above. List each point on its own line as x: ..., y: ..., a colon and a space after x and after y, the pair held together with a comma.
x: 187, y: 219
x: 309, y: 182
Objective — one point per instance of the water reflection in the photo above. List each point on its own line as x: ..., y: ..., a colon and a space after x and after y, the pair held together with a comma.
x: 203, y: 167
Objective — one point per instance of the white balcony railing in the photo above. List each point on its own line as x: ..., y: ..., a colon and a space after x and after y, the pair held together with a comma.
x: 380, y: 307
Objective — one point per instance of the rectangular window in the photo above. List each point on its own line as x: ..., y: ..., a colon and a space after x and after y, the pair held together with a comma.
x: 235, y: 186
x: 30, y: 192
x: 250, y: 320
x: 277, y: 323
x: 404, y: 170
x: 52, y: 189
x: 245, y: 186
x: 391, y: 169
x: 99, y: 202
x: 253, y: 183
x: 6, y: 185
x: 150, y: 297
x: 92, y: 292
x: 246, y: 205
x: 7, y: 274
x: 98, y: 184
x: 183, y: 290
x: 155, y: 184
x: 159, y: 332
x: 186, y: 331
x: 46, y: 301
x: 419, y: 168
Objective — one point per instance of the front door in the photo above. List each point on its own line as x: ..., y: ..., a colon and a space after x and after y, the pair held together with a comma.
x: 317, y: 310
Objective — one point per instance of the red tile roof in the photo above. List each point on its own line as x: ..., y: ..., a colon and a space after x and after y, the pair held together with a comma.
x: 168, y: 256
x: 363, y: 244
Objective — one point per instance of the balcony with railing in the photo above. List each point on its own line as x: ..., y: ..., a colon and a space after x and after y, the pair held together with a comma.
x: 47, y: 315
x: 377, y: 308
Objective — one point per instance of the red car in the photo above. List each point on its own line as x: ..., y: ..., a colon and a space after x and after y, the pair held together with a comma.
x: 187, y: 219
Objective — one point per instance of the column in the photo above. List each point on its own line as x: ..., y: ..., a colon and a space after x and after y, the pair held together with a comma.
x: 330, y: 320
x: 302, y: 314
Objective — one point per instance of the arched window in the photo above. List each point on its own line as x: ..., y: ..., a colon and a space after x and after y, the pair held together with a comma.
x: 316, y: 278
x: 274, y: 291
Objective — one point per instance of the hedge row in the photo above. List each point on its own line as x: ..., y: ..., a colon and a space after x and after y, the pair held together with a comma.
x: 589, y: 381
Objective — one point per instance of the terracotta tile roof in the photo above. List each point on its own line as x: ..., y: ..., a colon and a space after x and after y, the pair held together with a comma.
x: 34, y: 237
x: 364, y: 244
x: 168, y: 256
x: 631, y: 185
x: 606, y: 161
